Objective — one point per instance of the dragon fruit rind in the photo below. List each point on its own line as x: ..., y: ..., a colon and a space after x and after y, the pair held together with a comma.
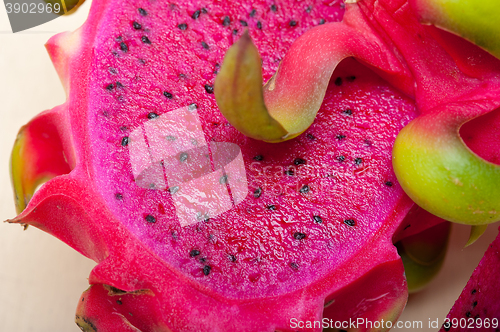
x: 194, y: 226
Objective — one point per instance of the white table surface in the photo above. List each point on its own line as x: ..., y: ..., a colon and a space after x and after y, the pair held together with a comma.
x: 41, y: 278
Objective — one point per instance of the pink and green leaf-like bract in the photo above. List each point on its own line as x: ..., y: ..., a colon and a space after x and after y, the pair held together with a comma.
x: 197, y: 227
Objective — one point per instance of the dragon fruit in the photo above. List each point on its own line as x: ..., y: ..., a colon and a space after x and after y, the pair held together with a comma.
x: 303, y: 233
x: 196, y: 227
x: 478, y: 307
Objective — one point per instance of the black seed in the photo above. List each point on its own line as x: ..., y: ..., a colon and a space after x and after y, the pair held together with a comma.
x: 299, y: 161
x: 232, y: 258
x: 338, y: 81
x: 289, y: 172
x: 196, y: 14
x: 125, y: 141
x: 308, y: 9
x: 350, y: 222
x: 119, y: 196
x: 183, y: 156
x: 193, y: 106
x: 271, y: 207
x: 341, y: 158
x: 467, y: 314
x: 446, y: 326
x: 145, y: 40
x: 299, y: 236
x: 206, y: 270
x: 257, y: 192
x: 350, y: 78
x: 388, y: 183
x: 274, y: 8
x: 110, y: 87
x: 347, y: 112
x: 473, y: 292
x: 253, y: 12
x: 259, y: 25
x: 322, y: 21
x: 294, y: 265
x: 317, y: 219
x: 194, y: 253
x: 119, y: 302
x: 170, y: 138
x: 182, y: 26
x: 205, y: 45
x: 311, y: 136
x: 223, y: 179
x: 136, y: 25
x: 123, y: 47
x: 142, y: 12
x: 152, y: 115
x: 226, y: 21
x: 204, y: 10
x: 235, y: 31
x: 304, y: 189
x: 168, y: 95
x: 293, y: 23
x: 358, y: 161
x: 474, y: 304
x: 244, y: 23
x: 173, y: 190
x: 258, y: 157
x: 119, y: 38
x: 340, y: 137
x: 149, y: 218
x: 119, y: 85
x: 112, y: 70
x: 209, y: 88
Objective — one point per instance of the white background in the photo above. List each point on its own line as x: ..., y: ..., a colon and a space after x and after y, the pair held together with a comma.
x: 41, y: 278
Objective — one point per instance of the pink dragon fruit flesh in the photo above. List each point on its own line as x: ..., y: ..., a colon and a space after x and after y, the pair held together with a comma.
x: 197, y: 227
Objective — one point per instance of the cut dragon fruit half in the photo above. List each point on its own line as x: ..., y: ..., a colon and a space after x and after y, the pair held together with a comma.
x: 194, y: 226
x: 139, y: 137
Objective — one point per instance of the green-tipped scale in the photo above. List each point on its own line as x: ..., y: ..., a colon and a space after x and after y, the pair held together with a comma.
x: 423, y: 255
x: 473, y: 20
x: 442, y: 175
x: 287, y: 105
